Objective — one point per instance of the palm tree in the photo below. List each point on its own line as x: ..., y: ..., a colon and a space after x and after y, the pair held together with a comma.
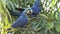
x: 46, y: 22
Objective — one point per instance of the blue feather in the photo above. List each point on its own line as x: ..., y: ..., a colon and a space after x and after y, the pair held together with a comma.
x: 36, y: 7
x: 21, y: 21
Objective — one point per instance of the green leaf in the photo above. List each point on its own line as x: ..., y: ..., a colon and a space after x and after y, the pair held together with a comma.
x: 50, y: 25
x: 58, y: 17
x: 57, y: 26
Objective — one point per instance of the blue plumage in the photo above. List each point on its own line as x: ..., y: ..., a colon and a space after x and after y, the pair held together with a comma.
x: 20, y: 22
x: 23, y: 19
x: 36, y: 8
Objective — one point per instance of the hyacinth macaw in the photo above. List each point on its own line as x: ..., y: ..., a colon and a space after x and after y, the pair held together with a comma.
x: 23, y: 16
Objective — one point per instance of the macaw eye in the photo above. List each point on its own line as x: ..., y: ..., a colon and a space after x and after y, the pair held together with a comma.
x: 29, y: 12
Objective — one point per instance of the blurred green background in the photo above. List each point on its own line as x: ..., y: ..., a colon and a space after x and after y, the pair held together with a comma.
x: 46, y: 22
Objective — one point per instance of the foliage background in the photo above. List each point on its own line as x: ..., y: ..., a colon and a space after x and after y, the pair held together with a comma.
x: 47, y: 22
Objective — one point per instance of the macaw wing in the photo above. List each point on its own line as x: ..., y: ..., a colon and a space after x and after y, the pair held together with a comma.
x: 36, y: 8
x: 20, y: 22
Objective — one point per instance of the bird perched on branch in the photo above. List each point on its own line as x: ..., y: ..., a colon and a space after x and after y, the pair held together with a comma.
x: 23, y: 19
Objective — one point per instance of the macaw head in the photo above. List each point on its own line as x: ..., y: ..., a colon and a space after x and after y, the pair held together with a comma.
x: 29, y: 11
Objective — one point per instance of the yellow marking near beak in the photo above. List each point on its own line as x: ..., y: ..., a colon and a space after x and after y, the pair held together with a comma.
x: 29, y: 12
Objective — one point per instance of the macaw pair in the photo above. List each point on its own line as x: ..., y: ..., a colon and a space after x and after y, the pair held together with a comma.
x: 23, y: 15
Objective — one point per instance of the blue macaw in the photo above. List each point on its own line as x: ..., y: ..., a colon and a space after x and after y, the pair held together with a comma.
x: 23, y: 19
